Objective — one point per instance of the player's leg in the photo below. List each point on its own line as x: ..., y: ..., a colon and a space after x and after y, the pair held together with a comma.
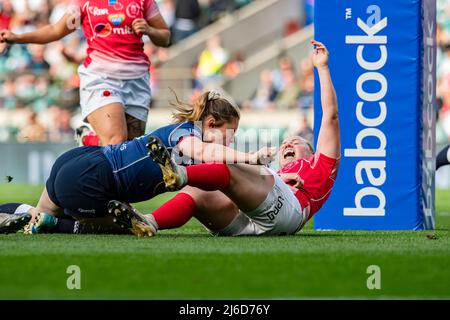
x: 67, y: 225
x: 102, y: 105
x: 137, y: 98
x: 443, y: 157
x: 246, y: 185
x: 11, y: 223
x: 13, y: 217
x: 15, y: 208
x: 44, y: 214
x: 20, y: 215
x: 213, y: 209
x: 135, y: 127
x: 45, y: 204
x: 80, y: 182
x: 109, y: 123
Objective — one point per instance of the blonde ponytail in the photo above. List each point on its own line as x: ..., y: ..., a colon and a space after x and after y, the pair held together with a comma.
x: 209, y: 103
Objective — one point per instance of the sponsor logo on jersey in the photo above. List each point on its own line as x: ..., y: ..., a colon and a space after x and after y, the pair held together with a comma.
x: 123, y: 31
x: 133, y: 10
x: 116, y: 19
x: 112, y: 2
x: 98, y: 11
x: 103, y: 30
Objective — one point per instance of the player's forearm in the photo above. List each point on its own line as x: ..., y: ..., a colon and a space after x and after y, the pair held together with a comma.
x: 328, y: 95
x: 160, y: 37
x: 217, y: 153
x: 212, y: 152
x: 41, y: 36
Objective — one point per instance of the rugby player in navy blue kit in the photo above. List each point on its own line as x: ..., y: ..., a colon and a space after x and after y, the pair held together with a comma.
x: 84, y: 180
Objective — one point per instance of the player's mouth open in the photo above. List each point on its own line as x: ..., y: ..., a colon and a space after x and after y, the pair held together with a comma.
x: 289, y: 154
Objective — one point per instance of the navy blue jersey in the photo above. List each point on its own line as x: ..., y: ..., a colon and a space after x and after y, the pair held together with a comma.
x: 138, y: 177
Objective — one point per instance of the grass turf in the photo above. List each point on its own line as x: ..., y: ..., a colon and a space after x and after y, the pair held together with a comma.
x: 189, y: 264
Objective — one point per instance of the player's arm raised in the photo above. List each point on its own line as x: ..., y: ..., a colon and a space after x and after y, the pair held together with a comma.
x: 328, y: 142
x: 44, y: 35
x: 212, y: 152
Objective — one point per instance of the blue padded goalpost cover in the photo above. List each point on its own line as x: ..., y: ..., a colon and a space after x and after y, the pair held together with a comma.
x: 383, y: 64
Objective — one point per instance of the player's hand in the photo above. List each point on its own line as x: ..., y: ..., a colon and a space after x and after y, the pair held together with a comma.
x: 320, y: 54
x: 264, y: 156
x: 292, y: 179
x: 7, y: 36
x: 141, y: 27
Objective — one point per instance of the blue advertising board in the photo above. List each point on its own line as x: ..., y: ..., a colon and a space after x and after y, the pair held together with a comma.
x: 382, y: 61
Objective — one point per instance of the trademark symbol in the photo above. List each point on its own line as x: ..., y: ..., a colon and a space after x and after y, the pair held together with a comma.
x: 348, y: 13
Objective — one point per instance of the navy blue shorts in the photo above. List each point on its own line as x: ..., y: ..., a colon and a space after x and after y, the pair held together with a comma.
x: 82, y: 183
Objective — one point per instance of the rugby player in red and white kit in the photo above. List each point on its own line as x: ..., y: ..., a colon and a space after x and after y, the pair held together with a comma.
x: 115, y: 90
x: 241, y: 199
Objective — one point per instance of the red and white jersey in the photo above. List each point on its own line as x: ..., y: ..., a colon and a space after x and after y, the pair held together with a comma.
x: 318, y: 173
x: 114, y: 50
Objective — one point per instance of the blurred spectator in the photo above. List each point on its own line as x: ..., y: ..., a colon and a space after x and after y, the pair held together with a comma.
x: 157, y: 56
x: 59, y: 9
x: 167, y: 9
x: 287, y: 97
x: 6, y: 14
x: 285, y: 82
x: 234, y: 67
x: 211, y: 62
x: 62, y: 130
x: 219, y: 7
x: 305, y: 129
x: 306, y: 98
x: 187, y: 15
x: 285, y: 69
x: 33, y: 131
x: 265, y: 94
x: 37, y: 63
x: 443, y: 70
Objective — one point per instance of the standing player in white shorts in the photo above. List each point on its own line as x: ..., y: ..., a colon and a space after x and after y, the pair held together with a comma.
x: 115, y: 90
x: 242, y: 199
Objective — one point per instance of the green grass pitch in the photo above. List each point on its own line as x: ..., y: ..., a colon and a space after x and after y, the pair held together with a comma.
x: 189, y: 264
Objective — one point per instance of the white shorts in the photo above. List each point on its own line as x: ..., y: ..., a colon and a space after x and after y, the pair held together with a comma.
x: 97, y: 91
x: 279, y: 214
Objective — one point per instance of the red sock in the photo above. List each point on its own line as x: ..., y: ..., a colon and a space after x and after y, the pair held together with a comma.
x: 176, y: 212
x: 91, y: 140
x: 209, y: 177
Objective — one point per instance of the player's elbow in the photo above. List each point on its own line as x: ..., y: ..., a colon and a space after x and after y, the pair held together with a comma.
x: 164, y: 41
x: 332, y: 116
x: 167, y: 38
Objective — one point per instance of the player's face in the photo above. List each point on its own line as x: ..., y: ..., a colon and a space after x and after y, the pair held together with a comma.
x: 292, y: 149
x: 223, y: 134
